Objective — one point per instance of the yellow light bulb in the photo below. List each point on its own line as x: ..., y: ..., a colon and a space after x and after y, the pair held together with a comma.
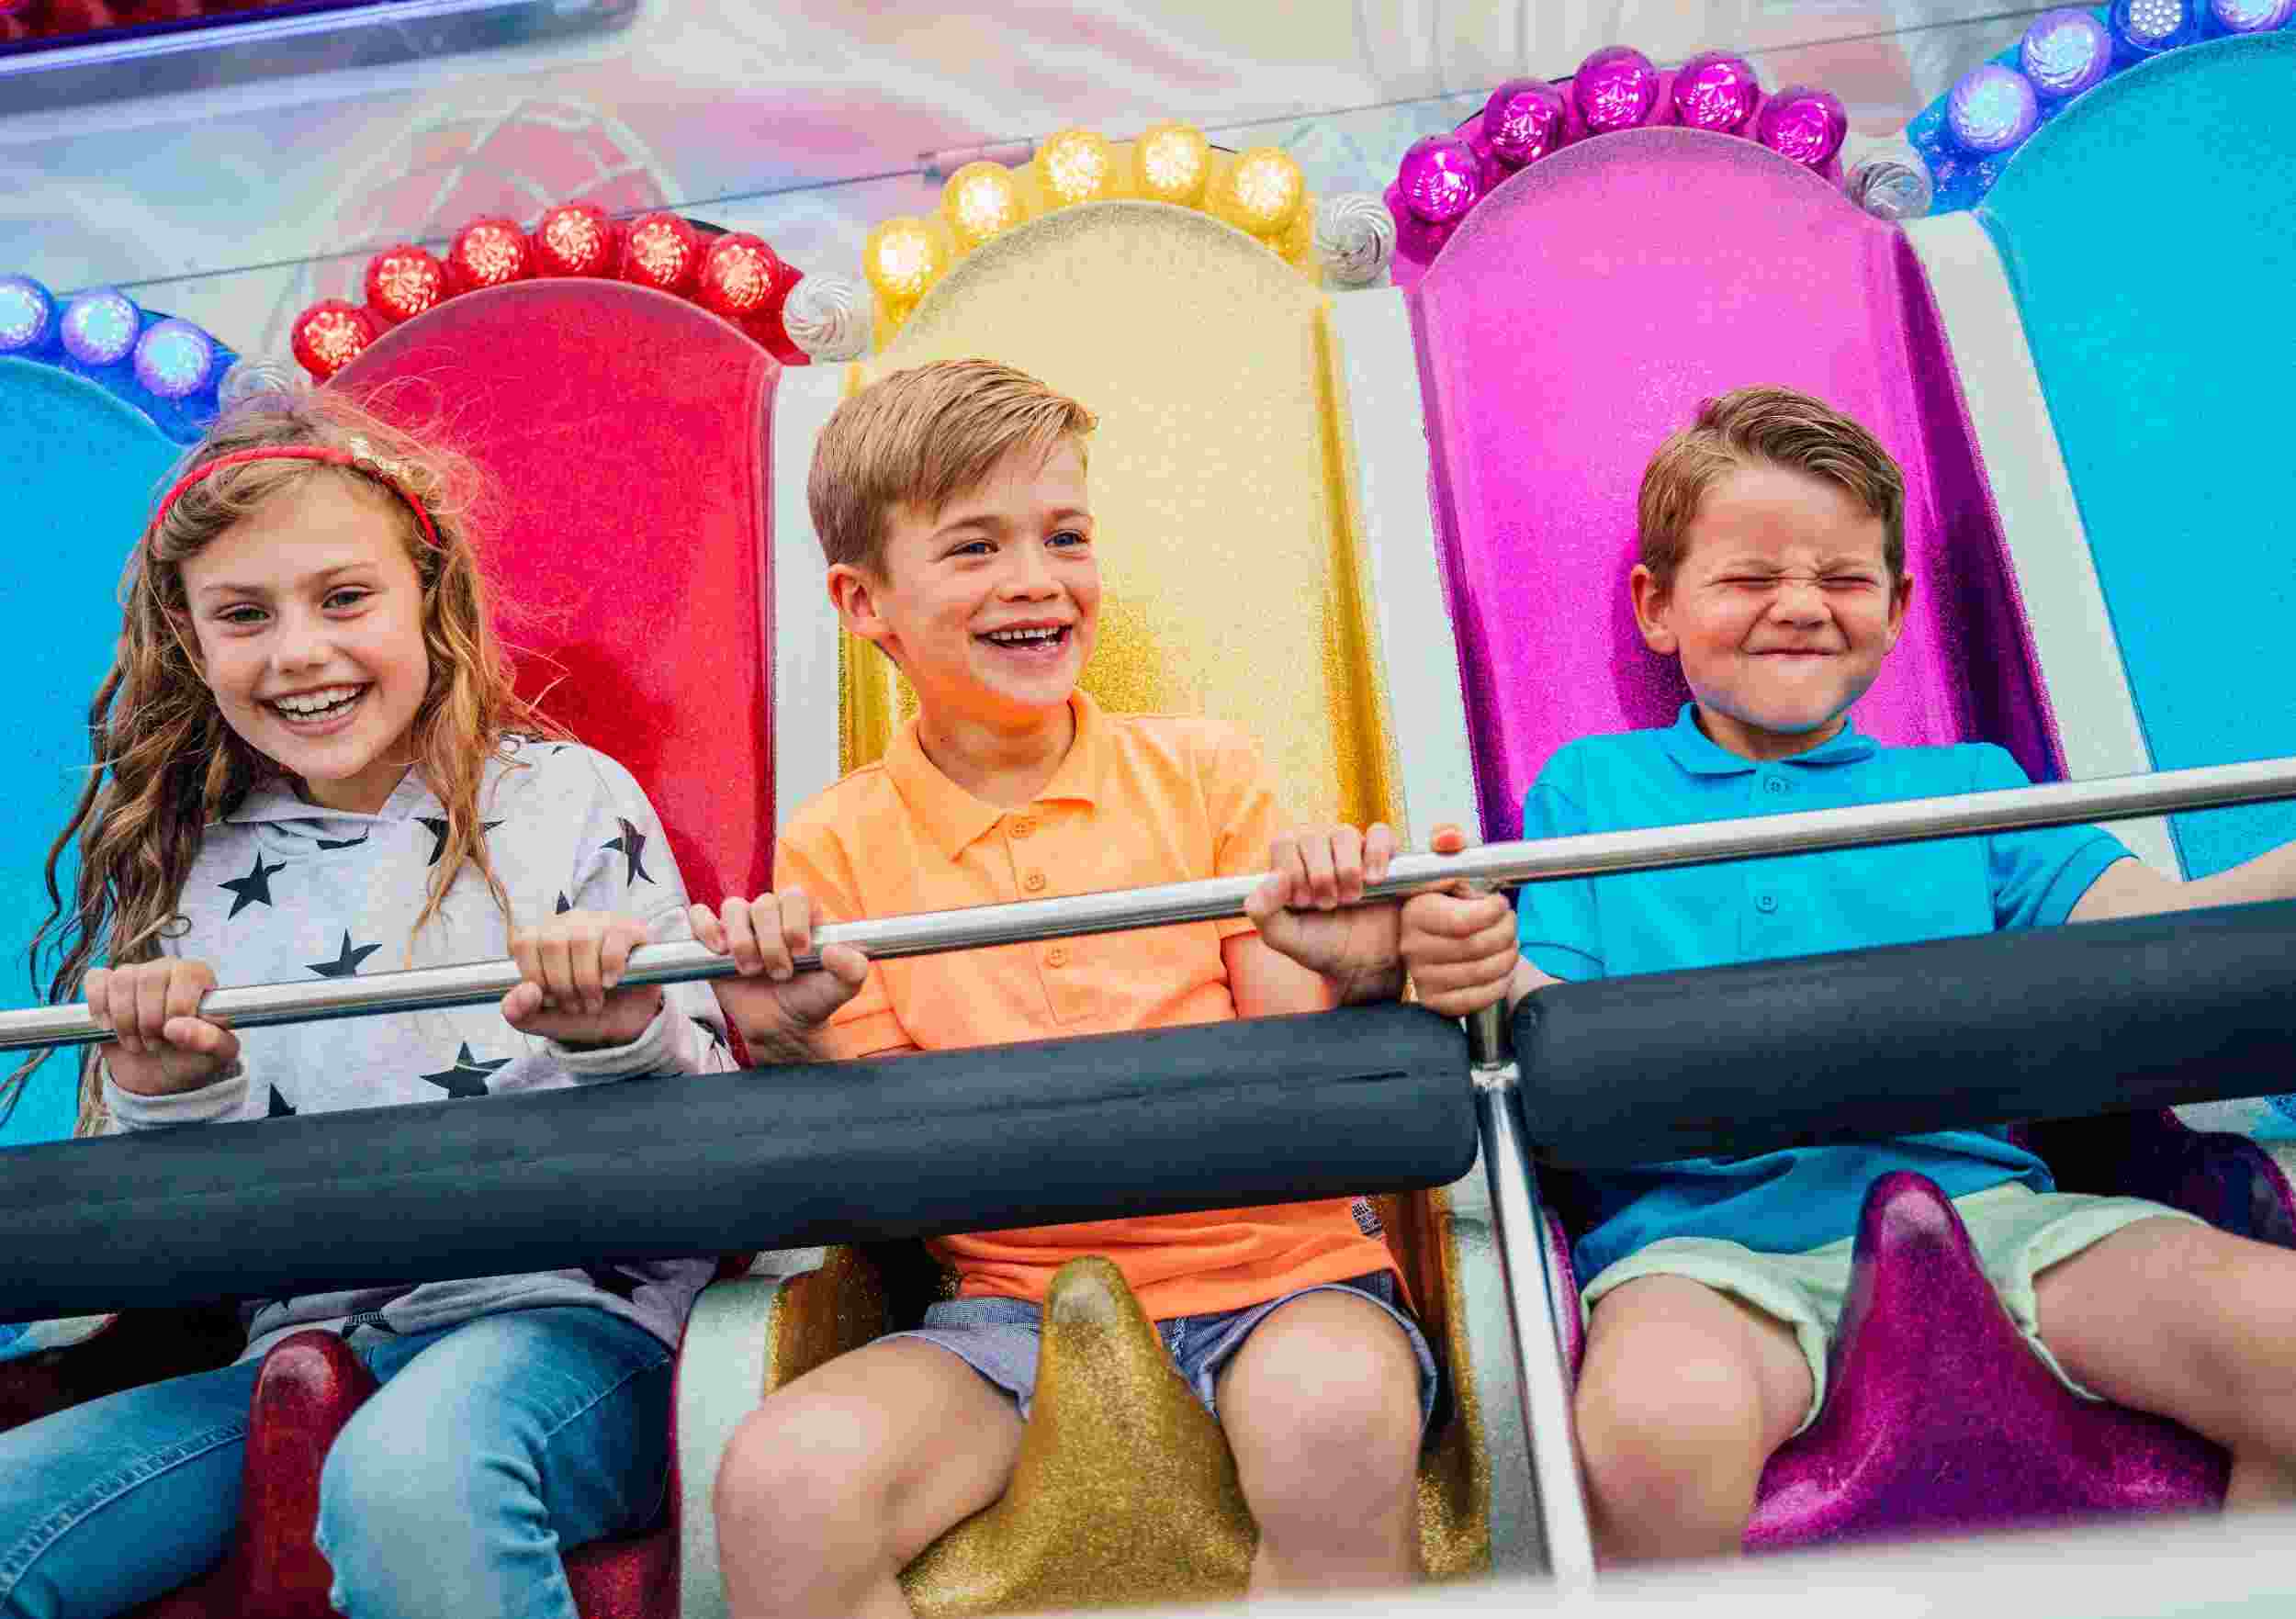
x: 1264, y: 191
x: 981, y: 199
x: 1174, y: 161
x: 1076, y: 165
x: 902, y: 258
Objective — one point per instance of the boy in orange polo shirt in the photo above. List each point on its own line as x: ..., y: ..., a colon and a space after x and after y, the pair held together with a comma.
x: 951, y: 502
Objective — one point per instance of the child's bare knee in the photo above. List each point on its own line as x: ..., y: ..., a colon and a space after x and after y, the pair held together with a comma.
x: 2244, y: 1350
x: 1365, y: 1429
x: 1331, y: 1403
x: 800, y: 1458
x: 2188, y: 1321
x: 1660, y: 1432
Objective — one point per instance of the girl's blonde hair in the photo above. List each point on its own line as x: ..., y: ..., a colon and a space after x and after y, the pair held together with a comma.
x: 166, y: 765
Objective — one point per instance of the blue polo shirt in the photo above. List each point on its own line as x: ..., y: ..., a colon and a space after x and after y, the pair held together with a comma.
x: 1788, y: 1201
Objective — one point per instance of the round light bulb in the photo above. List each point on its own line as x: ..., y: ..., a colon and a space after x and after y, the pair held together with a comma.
x: 902, y: 258
x: 1076, y: 165
x: 1265, y: 191
x: 981, y: 199
x: 1175, y: 160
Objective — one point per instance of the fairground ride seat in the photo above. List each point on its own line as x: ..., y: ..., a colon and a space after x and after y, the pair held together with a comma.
x: 1563, y: 332
x: 88, y: 464
x: 625, y: 432
x: 83, y: 465
x: 2149, y: 421
x: 1234, y: 555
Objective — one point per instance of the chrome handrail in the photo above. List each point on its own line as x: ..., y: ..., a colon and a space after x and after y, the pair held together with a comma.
x: 1498, y: 864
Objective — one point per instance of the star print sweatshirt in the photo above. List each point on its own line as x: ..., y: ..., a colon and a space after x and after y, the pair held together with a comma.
x: 284, y: 889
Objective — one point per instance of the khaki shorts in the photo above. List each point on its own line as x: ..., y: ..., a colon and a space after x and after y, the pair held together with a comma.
x: 2018, y: 1233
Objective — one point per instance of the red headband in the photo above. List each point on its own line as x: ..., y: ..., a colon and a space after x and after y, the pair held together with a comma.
x: 367, y: 466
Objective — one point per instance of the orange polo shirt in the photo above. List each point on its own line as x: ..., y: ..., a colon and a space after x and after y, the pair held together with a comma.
x: 1140, y: 798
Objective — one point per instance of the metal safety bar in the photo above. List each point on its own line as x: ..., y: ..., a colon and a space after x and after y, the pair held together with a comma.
x: 1534, y: 1306
x: 1913, y: 820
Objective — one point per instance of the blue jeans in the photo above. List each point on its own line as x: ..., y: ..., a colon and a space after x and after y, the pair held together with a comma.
x: 489, y: 1446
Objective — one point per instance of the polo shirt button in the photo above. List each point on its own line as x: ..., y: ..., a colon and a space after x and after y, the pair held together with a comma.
x: 1022, y: 829
x: 1057, y: 956
x: 1775, y: 784
x: 1033, y: 882
x: 1765, y: 903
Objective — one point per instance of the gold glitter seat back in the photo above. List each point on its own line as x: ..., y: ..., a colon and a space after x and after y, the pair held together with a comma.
x: 1230, y: 545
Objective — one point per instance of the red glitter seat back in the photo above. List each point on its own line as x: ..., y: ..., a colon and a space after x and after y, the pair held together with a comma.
x: 626, y: 435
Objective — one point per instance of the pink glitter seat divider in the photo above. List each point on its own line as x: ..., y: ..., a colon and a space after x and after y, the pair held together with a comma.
x: 1941, y: 1418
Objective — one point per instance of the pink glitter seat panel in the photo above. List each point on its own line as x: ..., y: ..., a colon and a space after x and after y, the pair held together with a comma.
x: 1942, y: 1419
x: 1578, y: 317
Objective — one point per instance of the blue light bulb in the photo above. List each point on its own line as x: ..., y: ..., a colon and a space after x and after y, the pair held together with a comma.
x: 2147, y: 28
x: 28, y: 313
x: 99, y: 326
x: 175, y: 359
x: 2064, y: 53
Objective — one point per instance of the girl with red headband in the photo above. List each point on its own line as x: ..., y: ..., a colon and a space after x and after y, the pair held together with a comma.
x: 308, y: 753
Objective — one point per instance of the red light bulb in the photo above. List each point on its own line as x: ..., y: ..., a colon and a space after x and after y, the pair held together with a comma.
x: 576, y: 239
x: 402, y: 282
x: 330, y: 335
x: 487, y: 252
x: 661, y: 250
x: 741, y: 277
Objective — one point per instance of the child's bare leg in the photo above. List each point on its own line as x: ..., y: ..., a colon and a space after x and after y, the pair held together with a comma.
x: 1683, y: 1396
x: 2192, y: 1323
x: 1322, y: 1409
x: 830, y: 1487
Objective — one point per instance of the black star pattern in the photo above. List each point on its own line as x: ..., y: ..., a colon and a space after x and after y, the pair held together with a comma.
x: 608, y: 1280
x: 346, y: 963
x: 280, y: 1106
x: 562, y: 907
x: 631, y: 846
x: 254, y: 889
x: 345, y: 842
x: 468, y: 1077
x: 438, y: 834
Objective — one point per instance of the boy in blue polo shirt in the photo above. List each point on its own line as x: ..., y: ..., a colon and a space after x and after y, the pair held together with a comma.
x: 1773, y: 567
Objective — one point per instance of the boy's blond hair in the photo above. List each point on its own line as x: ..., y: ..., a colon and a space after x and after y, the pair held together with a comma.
x: 921, y: 438
x: 1764, y: 425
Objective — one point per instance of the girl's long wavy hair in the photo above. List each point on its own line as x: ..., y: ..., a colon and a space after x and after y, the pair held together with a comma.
x: 165, y: 764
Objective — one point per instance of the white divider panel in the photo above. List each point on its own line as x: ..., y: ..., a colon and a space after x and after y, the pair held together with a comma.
x: 2072, y: 635
x: 721, y: 1379
x: 1380, y: 368
x: 804, y: 625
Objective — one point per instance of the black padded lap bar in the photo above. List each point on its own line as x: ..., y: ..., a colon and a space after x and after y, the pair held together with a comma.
x: 2101, y: 1018
x: 1215, y: 1116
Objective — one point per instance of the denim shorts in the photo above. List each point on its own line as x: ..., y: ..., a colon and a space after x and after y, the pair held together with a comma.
x: 998, y: 1339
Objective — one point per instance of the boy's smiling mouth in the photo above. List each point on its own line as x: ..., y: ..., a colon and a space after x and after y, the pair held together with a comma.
x: 1028, y: 640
